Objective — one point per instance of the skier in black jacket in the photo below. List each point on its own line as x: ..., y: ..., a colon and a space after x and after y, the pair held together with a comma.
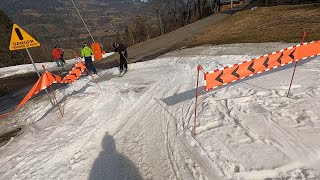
x: 122, y: 50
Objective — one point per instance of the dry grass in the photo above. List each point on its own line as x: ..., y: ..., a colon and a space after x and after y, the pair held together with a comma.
x: 265, y: 24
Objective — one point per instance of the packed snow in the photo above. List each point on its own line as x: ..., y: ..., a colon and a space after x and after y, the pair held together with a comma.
x: 139, y: 126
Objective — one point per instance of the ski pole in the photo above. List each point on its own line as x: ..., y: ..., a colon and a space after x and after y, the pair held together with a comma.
x: 124, y: 57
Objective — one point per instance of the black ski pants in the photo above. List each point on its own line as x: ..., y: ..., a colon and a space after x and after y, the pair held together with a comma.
x: 89, y: 64
x: 123, y: 61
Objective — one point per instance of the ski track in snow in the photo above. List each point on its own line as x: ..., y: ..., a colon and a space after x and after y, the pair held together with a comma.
x: 139, y: 126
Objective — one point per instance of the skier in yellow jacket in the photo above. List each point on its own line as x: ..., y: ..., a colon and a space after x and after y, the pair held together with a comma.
x: 87, y: 53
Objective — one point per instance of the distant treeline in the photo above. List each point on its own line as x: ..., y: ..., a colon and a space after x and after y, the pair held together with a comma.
x: 173, y: 14
x: 132, y: 22
x: 168, y: 15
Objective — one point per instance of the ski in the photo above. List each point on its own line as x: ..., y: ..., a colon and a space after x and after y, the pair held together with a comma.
x: 122, y: 73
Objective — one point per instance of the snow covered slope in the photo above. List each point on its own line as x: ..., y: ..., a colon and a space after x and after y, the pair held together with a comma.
x: 138, y: 126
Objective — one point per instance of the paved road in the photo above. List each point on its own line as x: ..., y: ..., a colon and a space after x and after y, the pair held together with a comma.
x: 160, y: 45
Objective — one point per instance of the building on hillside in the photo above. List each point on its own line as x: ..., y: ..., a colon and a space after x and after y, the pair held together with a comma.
x: 227, y: 4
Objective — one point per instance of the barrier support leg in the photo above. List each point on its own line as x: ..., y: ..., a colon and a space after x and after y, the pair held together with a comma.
x: 93, y: 78
x: 56, y: 101
x: 295, y: 65
x: 196, y: 103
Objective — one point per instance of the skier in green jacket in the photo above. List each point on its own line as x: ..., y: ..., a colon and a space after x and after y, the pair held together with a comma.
x: 87, y: 53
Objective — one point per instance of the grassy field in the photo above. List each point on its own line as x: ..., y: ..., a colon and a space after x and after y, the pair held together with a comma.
x: 264, y: 24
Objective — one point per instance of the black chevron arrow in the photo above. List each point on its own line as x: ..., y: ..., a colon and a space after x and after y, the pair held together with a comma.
x: 78, y: 68
x: 235, y: 72
x: 266, y: 62
x: 291, y: 54
x: 74, y: 74
x: 250, y: 68
x: 219, y: 77
x: 279, y: 59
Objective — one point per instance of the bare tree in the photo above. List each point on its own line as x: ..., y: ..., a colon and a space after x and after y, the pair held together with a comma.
x: 129, y: 35
x: 215, y: 4
x: 159, y: 9
x: 190, y: 6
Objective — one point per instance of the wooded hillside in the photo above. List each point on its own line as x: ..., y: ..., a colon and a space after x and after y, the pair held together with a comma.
x: 7, y: 57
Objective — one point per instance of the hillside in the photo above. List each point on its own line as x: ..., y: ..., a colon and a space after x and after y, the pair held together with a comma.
x: 154, y: 123
x: 57, y: 21
x: 263, y: 24
x: 139, y: 52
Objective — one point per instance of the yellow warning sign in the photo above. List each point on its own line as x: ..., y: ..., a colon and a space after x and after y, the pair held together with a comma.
x: 21, y: 39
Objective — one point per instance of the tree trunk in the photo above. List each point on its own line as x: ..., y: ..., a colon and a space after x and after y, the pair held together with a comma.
x: 199, y: 9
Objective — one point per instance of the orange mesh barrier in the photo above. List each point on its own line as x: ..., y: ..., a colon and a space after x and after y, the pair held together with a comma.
x: 75, y: 73
x: 264, y: 63
x: 45, y: 81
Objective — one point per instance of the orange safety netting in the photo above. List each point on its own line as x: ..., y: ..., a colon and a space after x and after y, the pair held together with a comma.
x: 264, y: 63
x: 44, y: 81
x: 47, y: 79
x: 75, y: 73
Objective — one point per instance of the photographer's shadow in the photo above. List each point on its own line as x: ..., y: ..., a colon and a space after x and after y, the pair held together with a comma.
x: 111, y: 165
